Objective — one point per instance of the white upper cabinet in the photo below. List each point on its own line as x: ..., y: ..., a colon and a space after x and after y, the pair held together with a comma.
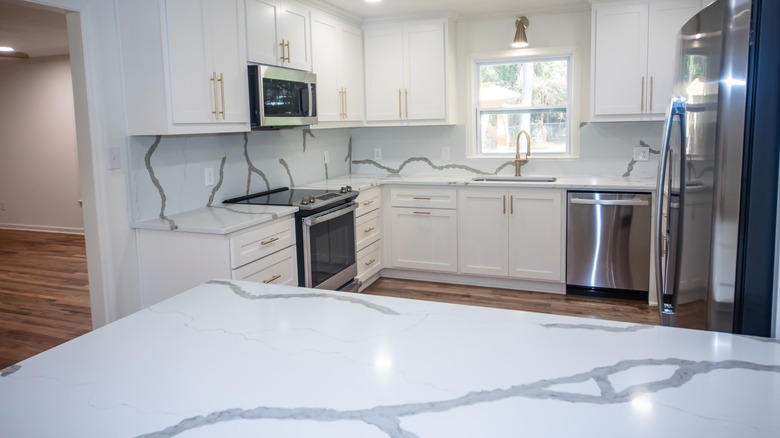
x: 409, y: 72
x: 278, y: 33
x: 184, y: 65
x: 337, y: 59
x: 633, y: 57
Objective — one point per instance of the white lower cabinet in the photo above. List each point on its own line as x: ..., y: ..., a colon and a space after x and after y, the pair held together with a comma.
x: 424, y: 229
x: 511, y: 233
x: 171, y: 262
x: 368, y: 236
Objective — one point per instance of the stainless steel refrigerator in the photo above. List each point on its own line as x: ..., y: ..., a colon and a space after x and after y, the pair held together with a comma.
x: 717, y: 179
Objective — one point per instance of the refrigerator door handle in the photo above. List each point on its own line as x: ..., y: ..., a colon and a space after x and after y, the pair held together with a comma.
x: 665, y: 285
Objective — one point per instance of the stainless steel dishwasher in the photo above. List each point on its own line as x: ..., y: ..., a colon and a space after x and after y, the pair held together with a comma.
x: 608, y: 244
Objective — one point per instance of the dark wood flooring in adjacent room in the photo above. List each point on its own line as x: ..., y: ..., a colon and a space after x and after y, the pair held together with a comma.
x: 615, y: 310
x: 44, y: 293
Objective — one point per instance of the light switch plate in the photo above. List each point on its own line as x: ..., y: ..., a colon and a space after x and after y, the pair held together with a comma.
x: 641, y: 153
x: 445, y: 153
x: 377, y: 154
x: 326, y: 155
x: 209, y: 176
x: 114, y: 160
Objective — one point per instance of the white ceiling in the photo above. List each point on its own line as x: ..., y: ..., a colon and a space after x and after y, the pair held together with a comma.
x: 35, y: 30
x: 41, y: 31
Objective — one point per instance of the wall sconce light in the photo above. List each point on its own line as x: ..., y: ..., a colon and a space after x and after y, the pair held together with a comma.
x: 520, y: 38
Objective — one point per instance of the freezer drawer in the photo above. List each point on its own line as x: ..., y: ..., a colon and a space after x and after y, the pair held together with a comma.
x: 608, y: 244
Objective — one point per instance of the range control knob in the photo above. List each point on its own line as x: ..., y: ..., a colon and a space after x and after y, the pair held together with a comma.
x: 306, y: 200
x: 346, y: 189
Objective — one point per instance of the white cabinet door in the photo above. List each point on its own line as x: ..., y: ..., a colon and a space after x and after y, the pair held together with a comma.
x: 424, y: 239
x: 620, y: 59
x: 184, y: 66
x: 295, y: 35
x: 263, y: 31
x: 535, y: 234
x: 337, y: 59
x: 425, y: 78
x: 482, y: 232
x: 278, y: 268
x: 665, y: 19
x: 384, y: 59
x: 278, y: 33
x: 406, y: 78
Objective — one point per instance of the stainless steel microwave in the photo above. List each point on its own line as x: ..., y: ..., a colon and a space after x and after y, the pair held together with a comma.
x: 281, y: 97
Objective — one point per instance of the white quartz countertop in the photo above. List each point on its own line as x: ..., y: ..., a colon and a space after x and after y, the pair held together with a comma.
x: 366, y: 181
x: 221, y: 219
x: 230, y: 359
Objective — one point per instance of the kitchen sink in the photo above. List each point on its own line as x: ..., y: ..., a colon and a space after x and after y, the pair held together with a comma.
x: 535, y: 179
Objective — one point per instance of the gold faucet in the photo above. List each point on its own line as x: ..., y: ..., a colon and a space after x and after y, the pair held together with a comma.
x: 518, y: 161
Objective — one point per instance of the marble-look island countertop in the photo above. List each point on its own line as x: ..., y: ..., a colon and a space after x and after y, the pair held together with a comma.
x: 219, y: 219
x: 229, y: 359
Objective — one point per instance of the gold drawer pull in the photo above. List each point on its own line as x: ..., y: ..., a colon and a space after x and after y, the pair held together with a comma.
x: 271, y: 240
x: 368, y: 202
x: 370, y: 262
x: 422, y: 198
x: 368, y: 230
x: 272, y: 279
x: 422, y: 212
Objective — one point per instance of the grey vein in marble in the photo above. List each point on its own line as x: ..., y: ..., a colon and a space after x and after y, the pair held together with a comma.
x: 287, y: 168
x: 248, y: 213
x: 219, y: 183
x: 630, y: 167
x: 10, y: 370
x: 251, y: 167
x: 387, y: 418
x: 306, y: 132
x: 163, y: 198
x: 246, y: 295
x: 348, y: 158
x: 433, y: 166
x: 605, y: 328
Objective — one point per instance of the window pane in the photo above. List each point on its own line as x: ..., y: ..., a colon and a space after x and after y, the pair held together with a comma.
x: 524, y: 84
x: 548, y: 129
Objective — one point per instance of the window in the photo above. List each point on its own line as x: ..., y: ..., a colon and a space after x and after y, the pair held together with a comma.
x: 531, y: 93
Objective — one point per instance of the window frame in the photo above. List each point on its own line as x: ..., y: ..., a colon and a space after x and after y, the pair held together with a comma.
x: 524, y: 55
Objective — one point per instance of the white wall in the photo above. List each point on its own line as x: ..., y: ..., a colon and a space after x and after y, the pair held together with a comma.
x: 39, y: 176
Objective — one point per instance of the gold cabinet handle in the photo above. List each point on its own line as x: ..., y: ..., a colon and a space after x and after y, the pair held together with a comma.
x: 271, y: 240
x: 406, y: 102
x: 346, y: 110
x: 272, y: 279
x: 422, y: 212
x: 370, y: 229
x: 214, y: 83
x: 651, y: 94
x: 222, y: 93
x: 422, y: 198
x: 642, y: 105
x: 341, y: 95
x: 370, y: 262
x: 504, y: 204
x: 281, y: 46
x: 400, y: 114
x: 511, y: 205
x: 287, y: 46
x: 368, y: 202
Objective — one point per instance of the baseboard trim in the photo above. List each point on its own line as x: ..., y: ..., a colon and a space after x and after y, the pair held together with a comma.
x: 42, y: 229
x: 473, y: 280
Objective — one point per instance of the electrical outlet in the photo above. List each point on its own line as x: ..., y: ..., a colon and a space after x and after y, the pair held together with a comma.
x: 326, y: 154
x: 641, y: 153
x: 445, y: 153
x: 113, y: 158
x: 209, y: 176
x: 377, y: 154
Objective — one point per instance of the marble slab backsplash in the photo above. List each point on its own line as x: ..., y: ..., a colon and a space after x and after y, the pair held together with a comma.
x: 606, y: 149
x: 168, y: 173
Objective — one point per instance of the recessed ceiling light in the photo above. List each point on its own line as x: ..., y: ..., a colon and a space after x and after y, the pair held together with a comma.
x: 372, y: 1
x: 6, y: 49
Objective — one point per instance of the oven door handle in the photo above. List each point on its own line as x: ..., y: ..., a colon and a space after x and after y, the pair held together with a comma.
x: 329, y: 214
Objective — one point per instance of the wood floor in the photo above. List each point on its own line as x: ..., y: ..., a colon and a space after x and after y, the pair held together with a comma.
x: 44, y: 293
x: 615, y: 310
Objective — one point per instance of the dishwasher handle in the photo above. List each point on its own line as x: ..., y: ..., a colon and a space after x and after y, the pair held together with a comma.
x: 611, y: 202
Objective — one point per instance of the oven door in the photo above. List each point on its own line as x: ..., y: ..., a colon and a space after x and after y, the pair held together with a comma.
x: 329, y: 257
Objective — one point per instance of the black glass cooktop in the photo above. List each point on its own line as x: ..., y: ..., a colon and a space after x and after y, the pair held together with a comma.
x: 304, y: 199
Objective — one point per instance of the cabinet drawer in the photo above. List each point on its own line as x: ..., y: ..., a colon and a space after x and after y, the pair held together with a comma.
x: 368, y: 229
x: 277, y: 268
x: 423, y: 198
x: 261, y: 241
x: 369, y: 261
x: 368, y: 200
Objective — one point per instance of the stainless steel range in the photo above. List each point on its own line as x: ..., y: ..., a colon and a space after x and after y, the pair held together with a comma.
x: 325, y: 231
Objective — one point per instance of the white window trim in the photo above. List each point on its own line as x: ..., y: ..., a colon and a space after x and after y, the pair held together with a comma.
x: 472, y: 151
